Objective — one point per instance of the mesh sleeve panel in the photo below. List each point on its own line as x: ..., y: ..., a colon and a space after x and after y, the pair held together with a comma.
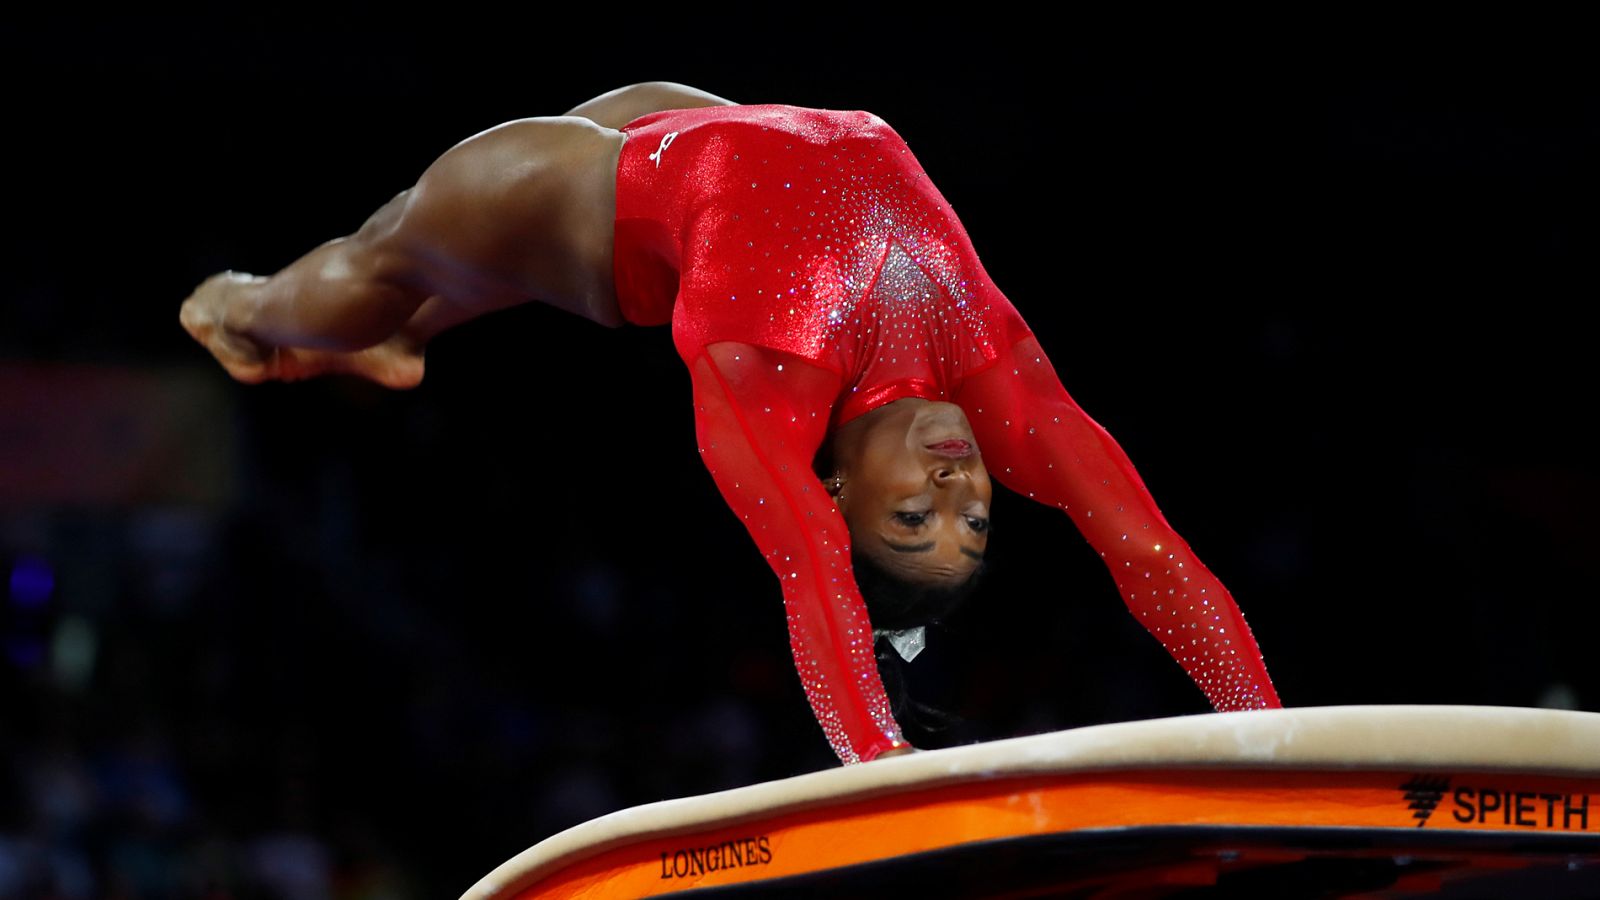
x: 1038, y: 442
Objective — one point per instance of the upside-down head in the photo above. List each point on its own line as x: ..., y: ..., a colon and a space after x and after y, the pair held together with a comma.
x: 915, y: 495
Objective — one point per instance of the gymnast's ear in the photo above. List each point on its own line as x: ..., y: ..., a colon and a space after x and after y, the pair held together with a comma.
x: 834, y: 485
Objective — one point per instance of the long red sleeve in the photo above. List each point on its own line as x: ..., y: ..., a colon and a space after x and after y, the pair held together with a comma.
x: 1038, y: 442
x: 760, y: 416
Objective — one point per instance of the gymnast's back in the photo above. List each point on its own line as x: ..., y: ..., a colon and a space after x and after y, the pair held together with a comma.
x: 809, y: 232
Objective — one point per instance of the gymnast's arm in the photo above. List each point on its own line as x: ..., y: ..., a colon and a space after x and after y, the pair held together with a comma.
x: 492, y: 223
x: 1039, y: 443
x: 617, y: 108
x: 760, y: 417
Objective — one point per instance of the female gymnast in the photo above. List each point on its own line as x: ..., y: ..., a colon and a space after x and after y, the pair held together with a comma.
x: 848, y: 353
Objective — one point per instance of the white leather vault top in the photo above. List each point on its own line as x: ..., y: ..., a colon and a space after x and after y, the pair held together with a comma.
x: 1411, y: 738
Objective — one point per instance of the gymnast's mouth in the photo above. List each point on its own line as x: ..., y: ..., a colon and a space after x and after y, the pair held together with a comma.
x: 955, y: 449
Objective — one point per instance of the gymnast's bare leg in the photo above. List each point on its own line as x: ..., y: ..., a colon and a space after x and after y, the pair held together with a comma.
x: 521, y: 212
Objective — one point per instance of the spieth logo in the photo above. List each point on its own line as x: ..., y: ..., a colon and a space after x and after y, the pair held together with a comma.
x: 1423, y: 793
x: 1496, y: 806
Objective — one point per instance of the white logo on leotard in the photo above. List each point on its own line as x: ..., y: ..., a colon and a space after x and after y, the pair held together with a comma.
x: 665, y: 143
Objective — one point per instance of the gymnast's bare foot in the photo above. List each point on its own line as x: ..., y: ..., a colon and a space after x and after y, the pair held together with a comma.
x: 395, y: 363
x: 208, y: 315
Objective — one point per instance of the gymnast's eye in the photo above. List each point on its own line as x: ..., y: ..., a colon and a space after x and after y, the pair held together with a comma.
x: 978, y: 524
x: 911, y: 519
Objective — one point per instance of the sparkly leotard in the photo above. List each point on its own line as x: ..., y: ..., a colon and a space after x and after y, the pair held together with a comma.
x: 811, y: 272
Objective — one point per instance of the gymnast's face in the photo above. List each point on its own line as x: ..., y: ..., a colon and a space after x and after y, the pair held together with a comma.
x: 913, y: 490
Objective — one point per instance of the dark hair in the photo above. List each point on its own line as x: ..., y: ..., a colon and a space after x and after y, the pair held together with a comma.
x: 894, y: 604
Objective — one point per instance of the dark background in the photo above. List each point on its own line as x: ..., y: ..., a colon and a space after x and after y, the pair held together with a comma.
x: 1327, y: 286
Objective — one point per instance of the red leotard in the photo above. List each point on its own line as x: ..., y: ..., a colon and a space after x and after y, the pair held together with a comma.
x: 811, y: 272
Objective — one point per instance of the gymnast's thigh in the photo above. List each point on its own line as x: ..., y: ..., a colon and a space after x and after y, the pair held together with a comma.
x: 525, y: 211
